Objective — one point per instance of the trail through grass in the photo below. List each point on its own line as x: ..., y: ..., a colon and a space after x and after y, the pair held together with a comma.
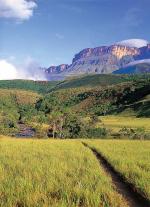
x: 130, y: 158
x: 43, y: 173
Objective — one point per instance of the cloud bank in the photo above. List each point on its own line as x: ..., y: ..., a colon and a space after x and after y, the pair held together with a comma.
x: 29, y: 71
x: 17, y: 9
x: 134, y: 43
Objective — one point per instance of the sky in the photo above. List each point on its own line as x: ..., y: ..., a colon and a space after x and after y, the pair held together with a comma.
x: 51, y: 32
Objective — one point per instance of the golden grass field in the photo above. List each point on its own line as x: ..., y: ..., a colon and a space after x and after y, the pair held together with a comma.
x: 115, y: 123
x: 44, y: 173
x: 130, y: 158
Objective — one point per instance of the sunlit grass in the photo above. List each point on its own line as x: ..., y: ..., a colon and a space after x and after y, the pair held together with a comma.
x: 22, y: 96
x: 115, y: 123
x: 44, y: 173
x: 130, y: 158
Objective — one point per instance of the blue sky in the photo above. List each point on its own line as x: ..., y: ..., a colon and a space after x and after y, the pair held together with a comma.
x: 53, y: 31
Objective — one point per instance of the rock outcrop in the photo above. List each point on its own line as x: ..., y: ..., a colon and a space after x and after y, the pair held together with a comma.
x: 57, y: 69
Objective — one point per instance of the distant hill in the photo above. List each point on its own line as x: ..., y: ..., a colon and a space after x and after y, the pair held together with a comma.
x: 37, y: 86
x: 92, y: 80
x: 100, y: 94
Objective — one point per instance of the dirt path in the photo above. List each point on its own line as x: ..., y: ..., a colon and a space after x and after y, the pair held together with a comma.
x: 133, y: 198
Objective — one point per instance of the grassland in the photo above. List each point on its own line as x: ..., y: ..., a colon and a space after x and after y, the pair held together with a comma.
x: 43, y: 173
x: 116, y: 123
x: 19, y: 96
x: 130, y: 158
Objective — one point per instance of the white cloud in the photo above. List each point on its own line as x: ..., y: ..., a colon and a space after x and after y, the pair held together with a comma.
x: 7, y: 70
x: 29, y: 70
x: 133, y: 43
x: 17, y: 9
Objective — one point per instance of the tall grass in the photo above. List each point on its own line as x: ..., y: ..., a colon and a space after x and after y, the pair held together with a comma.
x: 130, y: 158
x: 45, y: 173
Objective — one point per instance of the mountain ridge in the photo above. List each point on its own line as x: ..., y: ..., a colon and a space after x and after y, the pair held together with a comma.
x: 102, y: 60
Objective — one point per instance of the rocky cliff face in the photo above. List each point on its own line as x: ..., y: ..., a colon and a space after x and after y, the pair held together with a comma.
x: 57, y: 69
x: 105, y: 59
x: 116, y: 50
x: 102, y: 59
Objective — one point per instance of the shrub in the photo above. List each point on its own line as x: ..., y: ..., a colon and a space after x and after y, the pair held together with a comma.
x: 137, y: 133
x: 97, y: 132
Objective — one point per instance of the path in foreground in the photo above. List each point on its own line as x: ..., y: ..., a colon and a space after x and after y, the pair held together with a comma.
x: 43, y: 173
x: 129, y: 160
x: 133, y: 198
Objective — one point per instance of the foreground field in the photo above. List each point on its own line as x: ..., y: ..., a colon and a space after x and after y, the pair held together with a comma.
x: 130, y: 158
x: 44, y: 173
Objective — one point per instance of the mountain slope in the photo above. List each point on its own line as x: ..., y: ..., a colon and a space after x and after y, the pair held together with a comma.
x: 101, y: 99
x: 103, y: 59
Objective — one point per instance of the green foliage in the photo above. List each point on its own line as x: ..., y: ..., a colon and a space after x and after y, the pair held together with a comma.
x: 37, y: 86
x: 40, y: 131
x: 137, y: 133
x: 97, y: 133
x: 74, y: 127
x: 92, y: 81
x: 66, y: 104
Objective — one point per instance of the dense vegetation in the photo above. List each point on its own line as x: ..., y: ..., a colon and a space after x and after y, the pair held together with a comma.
x: 13, y: 105
x: 71, y: 109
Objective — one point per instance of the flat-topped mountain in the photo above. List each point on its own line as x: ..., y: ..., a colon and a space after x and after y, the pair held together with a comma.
x: 104, y: 59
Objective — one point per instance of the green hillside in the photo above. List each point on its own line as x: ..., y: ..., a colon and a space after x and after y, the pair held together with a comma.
x: 102, y: 100
x: 86, y: 82
x: 37, y: 86
x: 91, y: 81
x: 72, y: 107
x: 97, y: 80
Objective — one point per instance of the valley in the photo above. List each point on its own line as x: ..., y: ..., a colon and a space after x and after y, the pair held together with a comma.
x: 96, y: 105
x: 79, y: 142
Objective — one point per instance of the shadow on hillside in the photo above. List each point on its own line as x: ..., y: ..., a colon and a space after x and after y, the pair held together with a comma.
x: 141, y: 109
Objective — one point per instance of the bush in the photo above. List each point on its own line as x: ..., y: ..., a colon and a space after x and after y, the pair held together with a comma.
x: 40, y: 132
x: 138, y: 133
x: 97, y: 132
